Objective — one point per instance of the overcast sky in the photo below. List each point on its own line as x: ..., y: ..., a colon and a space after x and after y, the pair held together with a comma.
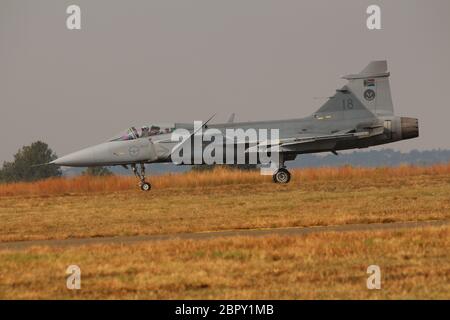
x: 138, y: 62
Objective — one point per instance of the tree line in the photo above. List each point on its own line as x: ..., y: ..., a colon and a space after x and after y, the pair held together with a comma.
x: 31, y: 163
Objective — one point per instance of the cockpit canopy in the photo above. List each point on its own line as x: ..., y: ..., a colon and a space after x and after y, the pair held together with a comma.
x: 145, y: 131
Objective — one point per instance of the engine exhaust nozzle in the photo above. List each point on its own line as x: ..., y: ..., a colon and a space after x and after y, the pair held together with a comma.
x: 410, y: 128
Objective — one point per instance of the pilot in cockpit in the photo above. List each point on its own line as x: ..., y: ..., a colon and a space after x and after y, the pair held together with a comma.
x: 134, y: 132
x: 145, y: 131
x: 154, y: 130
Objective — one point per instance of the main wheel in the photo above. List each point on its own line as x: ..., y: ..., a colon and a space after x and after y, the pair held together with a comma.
x: 281, y: 176
x: 146, y: 186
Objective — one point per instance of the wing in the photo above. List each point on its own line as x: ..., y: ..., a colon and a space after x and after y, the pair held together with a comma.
x: 329, y: 141
x: 303, y: 143
x: 334, y: 137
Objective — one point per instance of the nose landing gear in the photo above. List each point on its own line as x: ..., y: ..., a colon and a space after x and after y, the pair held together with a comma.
x: 145, y: 186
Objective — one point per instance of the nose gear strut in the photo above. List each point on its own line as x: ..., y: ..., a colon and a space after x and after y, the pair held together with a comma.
x: 145, y: 186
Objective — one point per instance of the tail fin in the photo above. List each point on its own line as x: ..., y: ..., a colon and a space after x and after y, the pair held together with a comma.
x: 371, y: 87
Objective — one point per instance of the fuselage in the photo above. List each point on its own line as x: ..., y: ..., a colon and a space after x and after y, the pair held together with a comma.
x: 158, y: 147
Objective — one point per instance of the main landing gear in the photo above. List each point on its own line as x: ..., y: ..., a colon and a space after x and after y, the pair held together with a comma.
x: 145, y: 186
x: 282, y: 175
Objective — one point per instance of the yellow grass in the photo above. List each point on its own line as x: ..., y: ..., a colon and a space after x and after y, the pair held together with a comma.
x: 194, y: 179
x: 315, y: 197
x: 414, y: 264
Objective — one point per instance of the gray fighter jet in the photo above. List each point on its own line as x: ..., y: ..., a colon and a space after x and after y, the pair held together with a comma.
x: 358, y: 115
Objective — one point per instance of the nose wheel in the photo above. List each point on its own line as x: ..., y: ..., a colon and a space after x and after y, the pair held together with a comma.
x: 145, y: 186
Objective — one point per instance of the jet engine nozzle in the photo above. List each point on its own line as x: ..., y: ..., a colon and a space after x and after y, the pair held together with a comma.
x: 410, y: 127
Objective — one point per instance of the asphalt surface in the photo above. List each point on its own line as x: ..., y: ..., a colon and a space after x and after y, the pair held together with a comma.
x: 293, y: 231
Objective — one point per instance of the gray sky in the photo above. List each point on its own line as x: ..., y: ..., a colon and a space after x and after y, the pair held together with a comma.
x: 137, y: 62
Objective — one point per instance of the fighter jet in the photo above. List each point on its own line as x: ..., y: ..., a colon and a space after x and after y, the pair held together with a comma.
x: 358, y: 115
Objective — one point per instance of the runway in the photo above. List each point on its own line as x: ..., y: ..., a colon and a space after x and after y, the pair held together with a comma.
x: 291, y: 231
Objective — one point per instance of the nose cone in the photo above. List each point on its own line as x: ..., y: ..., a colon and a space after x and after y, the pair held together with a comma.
x: 92, y: 156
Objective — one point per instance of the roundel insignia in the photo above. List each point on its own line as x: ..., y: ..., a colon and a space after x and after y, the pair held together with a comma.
x: 133, y: 151
x: 369, y: 94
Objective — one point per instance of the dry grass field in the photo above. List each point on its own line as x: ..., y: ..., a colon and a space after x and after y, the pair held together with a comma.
x: 415, y: 263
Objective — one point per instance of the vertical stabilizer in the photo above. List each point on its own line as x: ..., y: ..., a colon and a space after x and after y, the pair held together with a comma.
x: 371, y: 87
